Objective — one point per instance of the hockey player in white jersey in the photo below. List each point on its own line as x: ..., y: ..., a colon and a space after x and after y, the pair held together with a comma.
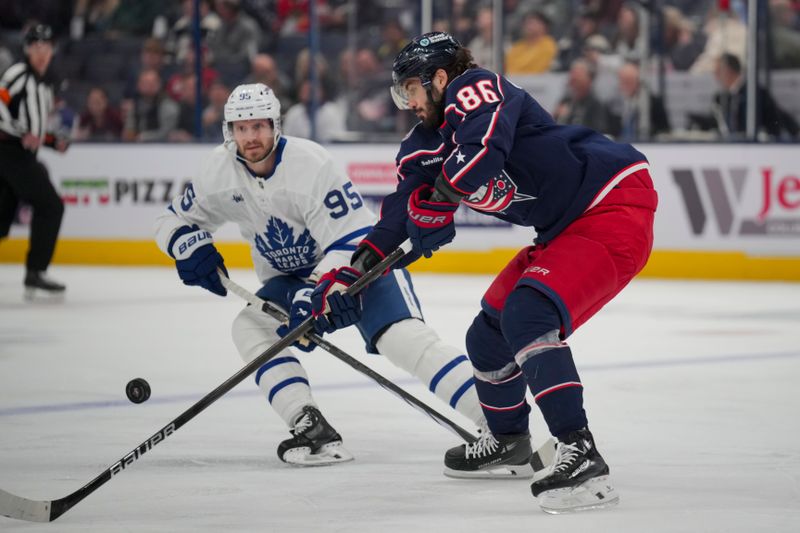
x: 302, y: 218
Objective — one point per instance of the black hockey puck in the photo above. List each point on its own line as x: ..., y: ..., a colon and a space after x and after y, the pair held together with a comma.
x: 138, y: 390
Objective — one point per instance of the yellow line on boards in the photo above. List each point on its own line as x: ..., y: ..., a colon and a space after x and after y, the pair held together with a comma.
x: 662, y: 264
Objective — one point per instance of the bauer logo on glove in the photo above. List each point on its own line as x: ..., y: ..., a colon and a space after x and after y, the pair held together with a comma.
x: 430, y: 223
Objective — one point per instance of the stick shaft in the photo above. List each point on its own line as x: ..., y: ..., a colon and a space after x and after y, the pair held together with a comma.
x: 340, y: 354
x: 20, y: 508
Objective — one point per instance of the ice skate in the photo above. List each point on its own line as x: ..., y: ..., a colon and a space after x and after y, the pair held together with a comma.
x: 37, y: 284
x: 491, y: 457
x: 314, y: 442
x: 578, y: 480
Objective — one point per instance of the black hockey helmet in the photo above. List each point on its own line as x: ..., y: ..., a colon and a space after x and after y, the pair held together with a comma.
x: 421, y: 58
x: 38, y: 32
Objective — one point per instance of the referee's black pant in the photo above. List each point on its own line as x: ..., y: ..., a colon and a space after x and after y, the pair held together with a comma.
x: 24, y: 179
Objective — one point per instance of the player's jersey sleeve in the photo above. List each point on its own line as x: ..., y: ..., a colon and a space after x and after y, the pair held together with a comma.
x: 418, y: 162
x: 195, y: 207
x: 481, y: 114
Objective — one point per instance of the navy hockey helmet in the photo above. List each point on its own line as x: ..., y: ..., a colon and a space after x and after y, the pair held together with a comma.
x: 38, y: 32
x: 421, y: 58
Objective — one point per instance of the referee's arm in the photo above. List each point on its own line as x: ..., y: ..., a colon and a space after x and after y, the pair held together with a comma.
x: 25, y: 105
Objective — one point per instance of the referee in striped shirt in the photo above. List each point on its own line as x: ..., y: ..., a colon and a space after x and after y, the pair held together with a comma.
x: 26, y: 100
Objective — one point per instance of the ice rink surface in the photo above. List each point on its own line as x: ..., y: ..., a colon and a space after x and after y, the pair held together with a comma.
x: 690, y: 390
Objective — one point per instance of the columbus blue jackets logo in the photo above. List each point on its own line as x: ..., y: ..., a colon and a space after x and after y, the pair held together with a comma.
x: 496, y: 195
x: 284, y: 253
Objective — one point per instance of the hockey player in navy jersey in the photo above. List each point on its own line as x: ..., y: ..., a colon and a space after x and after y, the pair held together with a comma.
x: 302, y: 218
x: 485, y: 143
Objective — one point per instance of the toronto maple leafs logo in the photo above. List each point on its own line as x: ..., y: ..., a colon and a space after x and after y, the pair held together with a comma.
x: 496, y: 195
x: 284, y: 253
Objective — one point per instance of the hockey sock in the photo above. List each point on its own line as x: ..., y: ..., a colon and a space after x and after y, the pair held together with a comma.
x: 532, y: 323
x: 554, y: 382
x: 282, y: 379
x: 498, y: 380
x: 413, y: 346
x: 503, y: 402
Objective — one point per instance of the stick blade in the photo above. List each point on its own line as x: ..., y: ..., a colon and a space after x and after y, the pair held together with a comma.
x: 23, y: 509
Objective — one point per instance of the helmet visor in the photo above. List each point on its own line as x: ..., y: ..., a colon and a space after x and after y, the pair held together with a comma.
x: 400, y: 96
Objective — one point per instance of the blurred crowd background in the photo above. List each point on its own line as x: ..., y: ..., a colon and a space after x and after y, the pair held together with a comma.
x: 652, y: 70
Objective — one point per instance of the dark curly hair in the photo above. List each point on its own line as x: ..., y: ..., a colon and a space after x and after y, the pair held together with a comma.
x: 463, y: 61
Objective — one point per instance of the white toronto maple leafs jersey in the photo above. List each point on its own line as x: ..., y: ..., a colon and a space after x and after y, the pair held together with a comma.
x: 303, y: 219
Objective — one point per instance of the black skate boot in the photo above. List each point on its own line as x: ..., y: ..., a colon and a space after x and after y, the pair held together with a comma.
x: 314, y: 442
x: 579, y: 479
x: 37, y: 281
x: 491, y: 456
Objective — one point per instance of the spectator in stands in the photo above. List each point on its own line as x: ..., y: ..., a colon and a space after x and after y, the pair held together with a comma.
x: 393, y: 39
x: 481, y: 45
x: 631, y: 92
x: 682, y: 42
x: 730, y: 105
x: 134, y: 17
x: 329, y: 116
x: 560, y: 14
x: 151, y: 57
x: 692, y: 10
x: 6, y: 58
x: 181, y: 37
x: 152, y: 114
x: 235, y: 42
x: 214, y: 113
x: 185, y: 127
x: 571, y: 47
x: 92, y: 17
x: 293, y: 16
x: 784, y: 35
x: 302, y: 71
x: 597, y: 50
x: 264, y: 69
x: 99, y: 121
x: 627, y: 33
x: 63, y: 118
x: 370, y: 106
x: 186, y: 69
x: 725, y: 34
x: 536, y: 49
x: 368, y: 13
x: 580, y: 105
x: 462, y: 17
x: 23, y: 14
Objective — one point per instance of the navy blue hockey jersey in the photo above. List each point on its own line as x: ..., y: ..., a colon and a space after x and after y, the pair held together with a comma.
x: 502, y: 150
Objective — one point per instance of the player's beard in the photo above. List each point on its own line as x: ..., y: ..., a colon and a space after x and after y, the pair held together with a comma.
x: 434, y: 111
x: 254, y: 154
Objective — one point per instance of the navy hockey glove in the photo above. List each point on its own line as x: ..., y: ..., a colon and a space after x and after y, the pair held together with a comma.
x: 332, y: 307
x: 196, y: 259
x: 430, y: 223
x: 298, y: 313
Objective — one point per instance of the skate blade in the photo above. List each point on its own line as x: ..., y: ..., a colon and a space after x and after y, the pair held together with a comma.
x: 329, y: 454
x: 495, y: 472
x: 595, y: 493
x: 33, y: 294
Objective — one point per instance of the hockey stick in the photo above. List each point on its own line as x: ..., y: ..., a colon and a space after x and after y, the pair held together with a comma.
x: 20, y: 508
x: 278, y: 314
x: 542, y: 457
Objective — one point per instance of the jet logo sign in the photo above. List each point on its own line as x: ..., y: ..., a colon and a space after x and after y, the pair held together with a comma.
x: 719, y: 194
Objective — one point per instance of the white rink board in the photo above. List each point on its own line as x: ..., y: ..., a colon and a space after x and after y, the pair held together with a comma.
x: 712, y: 197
